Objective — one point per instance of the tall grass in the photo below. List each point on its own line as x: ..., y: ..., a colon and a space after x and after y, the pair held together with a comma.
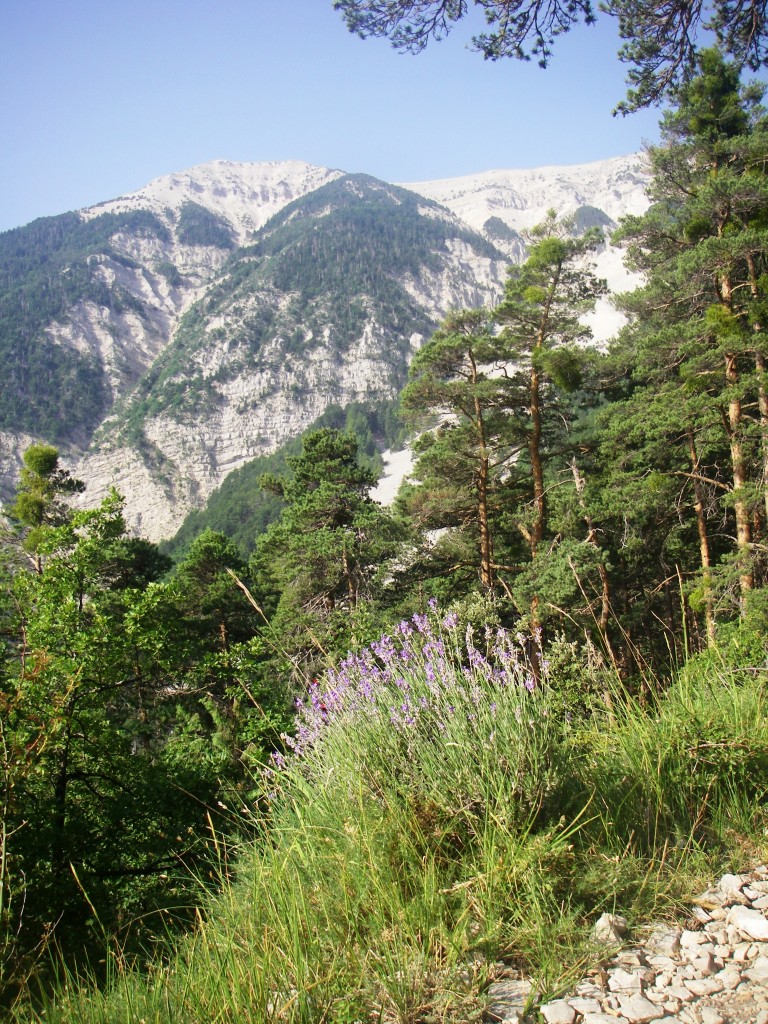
x: 437, y: 811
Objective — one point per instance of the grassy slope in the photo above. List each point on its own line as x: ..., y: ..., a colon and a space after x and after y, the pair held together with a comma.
x: 441, y: 810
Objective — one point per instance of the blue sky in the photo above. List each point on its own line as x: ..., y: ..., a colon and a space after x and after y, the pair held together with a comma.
x: 97, y: 97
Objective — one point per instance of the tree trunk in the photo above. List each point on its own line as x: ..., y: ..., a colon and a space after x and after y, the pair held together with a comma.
x: 738, y: 468
x: 483, y: 474
x: 704, y: 551
x: 605, y: 595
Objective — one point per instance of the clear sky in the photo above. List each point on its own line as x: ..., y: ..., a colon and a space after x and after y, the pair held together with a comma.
x: 97, y: 97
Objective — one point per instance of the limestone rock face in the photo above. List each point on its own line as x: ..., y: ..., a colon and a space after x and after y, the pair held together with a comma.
x: 262, y: 293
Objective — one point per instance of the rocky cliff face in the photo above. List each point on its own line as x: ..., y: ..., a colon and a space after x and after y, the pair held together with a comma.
x: 257, y: 294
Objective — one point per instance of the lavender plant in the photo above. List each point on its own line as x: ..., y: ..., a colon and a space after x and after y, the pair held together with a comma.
x: 457, y: 721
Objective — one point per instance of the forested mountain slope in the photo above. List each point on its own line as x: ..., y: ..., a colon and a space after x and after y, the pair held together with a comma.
x: 164, y: 338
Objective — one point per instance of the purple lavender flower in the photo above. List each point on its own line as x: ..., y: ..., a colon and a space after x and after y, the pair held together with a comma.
x: 421, y: 622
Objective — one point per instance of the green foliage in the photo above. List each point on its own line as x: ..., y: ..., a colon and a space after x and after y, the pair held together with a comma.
x: 197, y: 225
x: 132, y: 708
x: 322, y: 557
x: 496, y: 228
x: 242, y: 510
x: 587, y: 217
x: 42, y: 486
x: 438, y: 808
x: 45, y: 269
x: 695, y: 343
x: 316, y: 274
x: 660, y: 42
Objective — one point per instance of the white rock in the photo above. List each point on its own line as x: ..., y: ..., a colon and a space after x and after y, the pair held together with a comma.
x: 689, y: 938
x: 731, y: 883
x: 638, y: 1010
x: 761, y: 903
x: 709, y: 1015
x: 584, y: 1006
x: 662, y: 962
x: 609, y: 929
x: 680, y: 992
x: 758, y: 971
x: 602, y: 1018
x: 704, y: 986
x: 730, y: 977
x: 558, y: 1012
x: 624, y: 981
x: 749, y: 922
x: 702, y: 915
x: 704, y: 965
x: 761, y: 1017
x: 656, y: 996
x: 507, y: 998
x: 665, y: 940
x: 588, y: 990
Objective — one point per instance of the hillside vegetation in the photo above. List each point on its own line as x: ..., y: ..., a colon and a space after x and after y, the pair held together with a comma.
x: 346, y: 777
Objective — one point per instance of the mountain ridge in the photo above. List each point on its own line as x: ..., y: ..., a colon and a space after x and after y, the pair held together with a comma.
x: 225, y: 343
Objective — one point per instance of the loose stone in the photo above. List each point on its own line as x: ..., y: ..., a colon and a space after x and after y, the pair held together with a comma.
x: 750, y: 923
x: 710, y: 1016
x: 656, y: 996
x: 731, y: 883
x: 665, y: 940
x: 730, y: 977
x: 507, y: 999
x: 609, y: 929
x: 704, y: 986
x: 662, y: 962
x: 681, y: 993
x: 589, y: 990
x: 705, y: 965
x: 624, y: 981
x: 639, y: 1010
x: 758, y: 971
x: 700, y: 914
x: 558, y: 1012
x: 584, y: 1006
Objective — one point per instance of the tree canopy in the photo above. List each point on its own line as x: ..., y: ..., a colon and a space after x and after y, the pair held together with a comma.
x: 660, y: 40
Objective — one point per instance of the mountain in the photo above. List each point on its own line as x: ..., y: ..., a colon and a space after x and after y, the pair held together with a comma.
x: 167, y: 337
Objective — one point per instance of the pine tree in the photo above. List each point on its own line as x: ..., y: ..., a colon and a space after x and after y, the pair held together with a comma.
x: 543, y: 333
x: 699, y: 330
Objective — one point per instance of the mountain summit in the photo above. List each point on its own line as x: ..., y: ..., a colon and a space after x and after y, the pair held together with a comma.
x: 166, y: 337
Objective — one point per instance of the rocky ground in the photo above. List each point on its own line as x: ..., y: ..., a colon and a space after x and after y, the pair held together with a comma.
x: 712, y: 970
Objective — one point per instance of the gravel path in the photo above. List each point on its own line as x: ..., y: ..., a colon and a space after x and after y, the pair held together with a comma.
x: 713, y: 970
